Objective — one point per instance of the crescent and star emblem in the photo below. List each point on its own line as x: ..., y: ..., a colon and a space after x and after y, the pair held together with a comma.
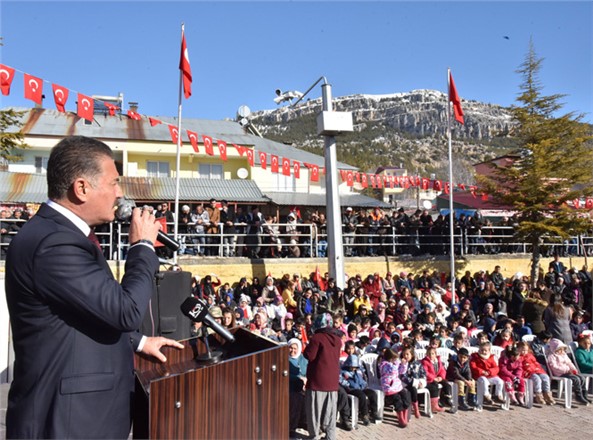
x: 86, y: 103
x: 60, y: 95
x: 4, y: 71
x: 33, y: 84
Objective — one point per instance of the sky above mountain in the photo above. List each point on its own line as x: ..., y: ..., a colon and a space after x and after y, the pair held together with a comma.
x: 241, y: 51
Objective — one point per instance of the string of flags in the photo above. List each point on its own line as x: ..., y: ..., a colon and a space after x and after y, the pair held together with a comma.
x: 85, y: 105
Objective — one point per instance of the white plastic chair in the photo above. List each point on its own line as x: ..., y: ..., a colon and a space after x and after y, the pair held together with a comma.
x: 528, y: 338
x: 369, y: 363
x: 423, y: 344
x: 481, y: 391
x: 588, y: 376
x: 496, y: 351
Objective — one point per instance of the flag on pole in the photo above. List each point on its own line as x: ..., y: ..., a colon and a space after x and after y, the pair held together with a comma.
x: 454, y: 98
x: 33, y: 88
x: 185, y: 67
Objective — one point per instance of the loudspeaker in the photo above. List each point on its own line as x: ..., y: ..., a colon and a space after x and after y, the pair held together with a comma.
x: 164, y: 317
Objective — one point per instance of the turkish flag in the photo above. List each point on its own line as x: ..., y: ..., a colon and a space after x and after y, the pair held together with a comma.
x: 447, y: 187
x: 251, y: 157
x: 111, y: 107
x: 373, y: 181
x: 472, y: 190
x: 263, y: 160
x: 485, y: 197
x: 193, y: 139
x: 314, y: 173
x: 33, y: 88
x: 86, y: 106
x: 222, y: 149
x: 274, y: 163
x: 589, y: 203
x: 392, y: 182
x: 133, y: 115
x: 154, y: 121
x: 454, y: 98
x: 424, y: 183
x: 437, y: 185
x: 240, y: 149
x: 461, y: 186
x: 174, y: 133
x: 6, y: 77
x: 364, y: 181
x: 286, y: 166
x: 208, y: 145
x: 60, y: 97
x: 343, y: 175
x: 350, y: 178
x: 185, y: 67
x: 357, y: 177
x: 296, y: 169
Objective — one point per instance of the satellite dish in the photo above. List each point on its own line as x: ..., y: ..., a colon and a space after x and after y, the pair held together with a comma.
x: 427, y: 204
x: 243, y: 112
x: 242, y: 173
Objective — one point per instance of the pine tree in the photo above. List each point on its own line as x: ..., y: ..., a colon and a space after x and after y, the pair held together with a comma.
x: 11, y: 138
x: 552, y: 167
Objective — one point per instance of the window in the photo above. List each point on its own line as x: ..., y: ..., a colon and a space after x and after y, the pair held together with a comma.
x: 285, y: 183
x: 209, y: 171
x: 41, y: 164
x: 157, y: 169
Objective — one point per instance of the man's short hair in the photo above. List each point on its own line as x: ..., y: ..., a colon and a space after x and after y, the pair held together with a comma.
x: 71, y: 158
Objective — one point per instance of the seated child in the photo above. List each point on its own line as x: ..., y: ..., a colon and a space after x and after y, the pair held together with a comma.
x: 533, y: 370
x: 459, y: 371
x: 395, y: 393
x: 435, y: 376
x: 511, y: 371
x: 352, y: 379
x: 504, y: 338
x: 413, y: 377
x: 561, y: 365
x: 584, y: 355
x: 485, y: 371
x: 538, y: 346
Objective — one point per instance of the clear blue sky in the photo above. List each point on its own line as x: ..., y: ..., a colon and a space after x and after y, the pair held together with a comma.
x: 240, y: 52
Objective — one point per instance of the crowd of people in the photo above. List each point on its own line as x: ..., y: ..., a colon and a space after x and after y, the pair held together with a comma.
x: 406, y: 319
x: 216, y: 228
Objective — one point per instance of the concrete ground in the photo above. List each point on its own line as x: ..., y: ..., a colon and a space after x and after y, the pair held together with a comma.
x: 540, y: 422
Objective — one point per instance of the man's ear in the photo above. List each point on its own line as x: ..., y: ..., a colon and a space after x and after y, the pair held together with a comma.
x: 80, y: 189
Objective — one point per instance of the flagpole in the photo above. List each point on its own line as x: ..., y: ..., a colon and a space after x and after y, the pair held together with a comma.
x: 178, y: 155
x: 451, y: 214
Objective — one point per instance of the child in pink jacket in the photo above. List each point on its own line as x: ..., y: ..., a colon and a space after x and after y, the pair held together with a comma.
x: 511, y: 372
x: 561, y: 365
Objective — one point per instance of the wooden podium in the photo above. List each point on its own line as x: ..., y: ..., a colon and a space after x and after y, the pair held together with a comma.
x: 244, y: 396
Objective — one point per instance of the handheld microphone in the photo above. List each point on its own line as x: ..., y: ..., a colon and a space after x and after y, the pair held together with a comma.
x: 124, y: 212
x: 197, y: 310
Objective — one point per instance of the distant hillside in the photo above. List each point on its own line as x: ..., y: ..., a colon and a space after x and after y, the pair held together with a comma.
x: 402, y: 129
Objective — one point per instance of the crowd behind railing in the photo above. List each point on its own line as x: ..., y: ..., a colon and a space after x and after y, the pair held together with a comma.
x: 215, y: 230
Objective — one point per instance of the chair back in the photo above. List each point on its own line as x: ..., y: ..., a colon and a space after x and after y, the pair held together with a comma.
x: 527, y: 338
x: 496, y: 351
x: 369, y: 363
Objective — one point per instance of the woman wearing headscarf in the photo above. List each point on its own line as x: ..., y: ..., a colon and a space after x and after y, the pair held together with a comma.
x: 297, y: 368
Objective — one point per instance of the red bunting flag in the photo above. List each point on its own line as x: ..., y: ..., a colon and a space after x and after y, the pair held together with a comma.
x: 472, y: 190
x: 193, y: 139
x: 437, y: 185
x: 314, y: 172
x: 185, y: 67
x: 379, y: 181
x: 85, y: 106
x: 60, y: 97
x: 589, y: 203
x: 461, y: 186
x: 296, y: 169
x: 424, y: 184
x: 373, y: 181
x: 112, y: 108
x: 33, y: 88
x: 6, y: 77
x: 274, y: 163
x: 263, y: 160
x: 133, y: 115
x: 484, y: 197
x: 357, y: 177
x: 154, y: 121
x: 447, y: 188
x: 240, y: 149
x: 174, y: 133
x: 222, y: 149
x: 286, y: 166
x: 250, y: 157
x: 364, y: 181
x: 454, y: 98
x: 350, y: 178
x: 207, y: 140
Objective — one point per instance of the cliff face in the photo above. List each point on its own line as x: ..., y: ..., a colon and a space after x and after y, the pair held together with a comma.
x: 407, y: 129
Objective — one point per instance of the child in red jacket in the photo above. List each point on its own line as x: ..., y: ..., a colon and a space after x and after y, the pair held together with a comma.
x: 485, y: 371
x: 436, y: 375
x: 533, y: 370
x: 511, y: 371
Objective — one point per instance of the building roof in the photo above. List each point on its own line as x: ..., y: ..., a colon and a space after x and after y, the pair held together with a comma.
x: 32, y: 188
x: 303, y: 199
x: 49, y: 122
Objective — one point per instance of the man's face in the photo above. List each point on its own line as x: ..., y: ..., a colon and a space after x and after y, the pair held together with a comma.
x: 103, y: 193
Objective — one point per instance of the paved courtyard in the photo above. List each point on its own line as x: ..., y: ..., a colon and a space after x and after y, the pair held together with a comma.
x: 540, y: 422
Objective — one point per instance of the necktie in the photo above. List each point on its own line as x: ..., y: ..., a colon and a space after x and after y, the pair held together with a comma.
x: 92, y: 237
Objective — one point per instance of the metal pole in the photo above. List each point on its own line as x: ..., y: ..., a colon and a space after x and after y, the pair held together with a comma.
x: 178, y: 158
x: 335, y: 252
x: 451, y: 215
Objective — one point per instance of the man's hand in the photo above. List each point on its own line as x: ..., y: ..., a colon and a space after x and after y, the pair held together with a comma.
x: 153, y: 344
x: 143, y: 226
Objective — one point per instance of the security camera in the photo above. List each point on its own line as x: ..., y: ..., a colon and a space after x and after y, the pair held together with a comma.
x: 287, y: 96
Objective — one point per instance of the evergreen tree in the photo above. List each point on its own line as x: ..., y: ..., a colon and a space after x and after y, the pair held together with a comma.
x: 11, y: 138
x: 552, y: 168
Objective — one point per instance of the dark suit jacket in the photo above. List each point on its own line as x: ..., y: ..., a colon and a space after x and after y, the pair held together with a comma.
x: 74, y: 328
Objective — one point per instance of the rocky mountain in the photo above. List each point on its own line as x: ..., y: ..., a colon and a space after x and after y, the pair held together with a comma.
x: 400, y: 129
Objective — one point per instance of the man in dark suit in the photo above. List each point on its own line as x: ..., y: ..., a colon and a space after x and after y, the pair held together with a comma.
x: 74, y: 325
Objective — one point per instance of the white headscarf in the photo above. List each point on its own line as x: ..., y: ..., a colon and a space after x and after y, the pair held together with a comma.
x: 299, y: 346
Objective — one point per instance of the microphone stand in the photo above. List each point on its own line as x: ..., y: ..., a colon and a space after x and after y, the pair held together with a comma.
x: 210, y: 357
